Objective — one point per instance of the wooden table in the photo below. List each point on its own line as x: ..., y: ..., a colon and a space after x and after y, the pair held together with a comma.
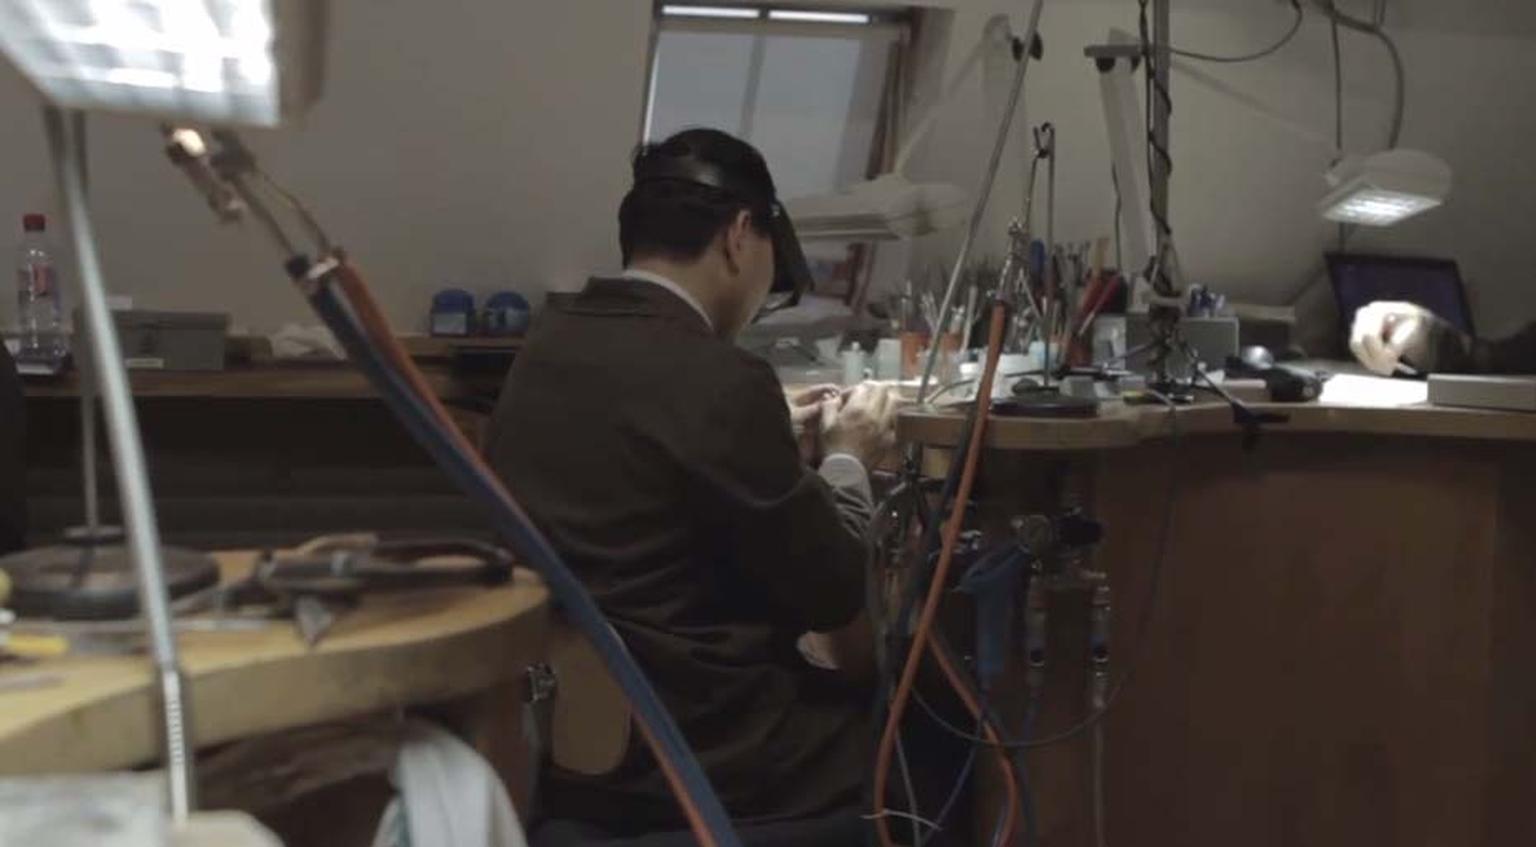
x: 462, y: 650
x: 1340, y: 645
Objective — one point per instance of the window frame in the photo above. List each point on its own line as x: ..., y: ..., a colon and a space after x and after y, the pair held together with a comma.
x: 898, y: 25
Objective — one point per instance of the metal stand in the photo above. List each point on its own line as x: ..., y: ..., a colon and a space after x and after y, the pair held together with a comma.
x: 67, y: 148
x: 979, y: 211
x: 1163, y: 316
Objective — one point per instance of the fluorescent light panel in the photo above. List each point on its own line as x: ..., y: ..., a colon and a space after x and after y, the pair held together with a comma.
x: 1376, y: 207
x: 818, y: 17
x: 213, y: 60
x: 728, y: 12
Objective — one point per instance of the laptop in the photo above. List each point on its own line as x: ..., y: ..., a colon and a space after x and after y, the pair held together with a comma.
x: 1435, y: 284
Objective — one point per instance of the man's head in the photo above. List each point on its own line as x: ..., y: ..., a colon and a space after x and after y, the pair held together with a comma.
x: 702, y: 212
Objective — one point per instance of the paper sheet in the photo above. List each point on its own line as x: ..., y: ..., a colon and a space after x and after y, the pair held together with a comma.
x: 1374, y: 391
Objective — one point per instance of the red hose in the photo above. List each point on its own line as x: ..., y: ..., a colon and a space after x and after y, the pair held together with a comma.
x: 921, y: 637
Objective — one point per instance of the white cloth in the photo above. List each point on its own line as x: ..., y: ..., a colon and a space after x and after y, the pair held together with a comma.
x: 658, y: 279
x: 449, y: 797
x: 295, y: 341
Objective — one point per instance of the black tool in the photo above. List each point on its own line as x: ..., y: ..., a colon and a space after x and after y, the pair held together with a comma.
x: 1286, y: 383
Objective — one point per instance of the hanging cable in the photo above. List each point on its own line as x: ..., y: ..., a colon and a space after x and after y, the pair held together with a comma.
x: 1338, y: 110
x: 1159, y: 158
x: 1399, y: 73
x: 1338, y: 86
x: 1289, y: 36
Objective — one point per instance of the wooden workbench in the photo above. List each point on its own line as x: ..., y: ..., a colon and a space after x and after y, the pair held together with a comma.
x: 262, y: 455
x: 1120, y: 425
x: 393, y: 652
x: 323, y: 381
x: 1339, y: 646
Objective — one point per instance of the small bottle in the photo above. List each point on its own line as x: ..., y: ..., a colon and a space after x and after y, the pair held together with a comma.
x: 39, y: 312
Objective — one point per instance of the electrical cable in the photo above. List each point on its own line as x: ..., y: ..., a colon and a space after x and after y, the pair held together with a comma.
x: 892, y: 813
x: 1338, y: 110
x: 340, y: 298
x: 906, y: 784
x: 1157, y: 154
x: 1143, y: 627
x: 1338, y: 86
x: 1008, y: 818
x: 875, y: 603
x: 1289, y: 36
x: 921, y: 636
x: 954, y: 793
x: 1399, y: 72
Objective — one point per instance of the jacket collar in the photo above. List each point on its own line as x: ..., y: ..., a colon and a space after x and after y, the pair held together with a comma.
x: 620, y: 296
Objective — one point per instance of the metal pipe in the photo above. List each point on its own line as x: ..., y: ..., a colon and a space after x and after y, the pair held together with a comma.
x: 1162, y: 64
x: 88, y: 437
x: 980, y: 209
x: 67, y: 149
x: 88, y: 474
x: 1054, y: 297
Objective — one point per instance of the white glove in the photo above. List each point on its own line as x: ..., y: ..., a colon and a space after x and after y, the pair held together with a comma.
x: 1385, y: 333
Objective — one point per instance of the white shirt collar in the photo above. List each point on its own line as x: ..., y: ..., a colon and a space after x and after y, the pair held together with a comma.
x: 683, y: 293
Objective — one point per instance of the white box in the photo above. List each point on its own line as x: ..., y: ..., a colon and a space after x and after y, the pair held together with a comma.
x: 1507, y: 393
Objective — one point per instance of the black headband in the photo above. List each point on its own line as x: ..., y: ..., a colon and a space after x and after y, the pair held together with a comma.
x: 657, y: 166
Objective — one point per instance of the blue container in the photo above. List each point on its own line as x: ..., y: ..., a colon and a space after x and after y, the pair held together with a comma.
x: 453, y: 313
x: 507, y: 313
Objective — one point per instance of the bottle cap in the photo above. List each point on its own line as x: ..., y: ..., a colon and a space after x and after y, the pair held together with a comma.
x: 34, y: 222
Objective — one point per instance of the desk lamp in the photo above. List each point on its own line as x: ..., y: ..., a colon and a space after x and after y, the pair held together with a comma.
x: 252, y: 62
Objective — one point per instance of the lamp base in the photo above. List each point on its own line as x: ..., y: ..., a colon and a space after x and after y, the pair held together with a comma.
x: 90, y: 577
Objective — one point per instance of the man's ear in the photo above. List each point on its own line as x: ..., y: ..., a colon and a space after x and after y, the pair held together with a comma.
x: 735, y: 239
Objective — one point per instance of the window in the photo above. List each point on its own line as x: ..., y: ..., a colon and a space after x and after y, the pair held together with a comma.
x: 814, y: 90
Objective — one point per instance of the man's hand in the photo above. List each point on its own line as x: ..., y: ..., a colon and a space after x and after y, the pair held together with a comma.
x: 1384, y: 334
x: 805, y: 417
x: 863, y: 425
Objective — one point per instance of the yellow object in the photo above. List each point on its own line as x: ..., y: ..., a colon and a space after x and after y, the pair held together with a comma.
x: 34, y: 646
x: 5, y: 587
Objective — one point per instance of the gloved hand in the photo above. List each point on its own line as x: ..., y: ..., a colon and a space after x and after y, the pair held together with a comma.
x: 863, y: 425
x: 1387, y: 333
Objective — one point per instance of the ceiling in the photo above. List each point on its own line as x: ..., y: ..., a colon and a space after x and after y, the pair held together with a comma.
x: 1510, y: 18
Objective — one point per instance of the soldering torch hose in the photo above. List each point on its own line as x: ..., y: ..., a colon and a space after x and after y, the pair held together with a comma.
x: 341, y: 299
x: 930, y: 609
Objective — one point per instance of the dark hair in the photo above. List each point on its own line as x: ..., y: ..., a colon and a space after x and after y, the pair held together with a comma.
x: 678, y: 219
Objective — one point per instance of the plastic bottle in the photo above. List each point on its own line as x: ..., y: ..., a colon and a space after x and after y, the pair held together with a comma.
x: 39, y: 310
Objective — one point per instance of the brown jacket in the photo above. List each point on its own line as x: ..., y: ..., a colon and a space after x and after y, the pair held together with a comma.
x: 659, y: 460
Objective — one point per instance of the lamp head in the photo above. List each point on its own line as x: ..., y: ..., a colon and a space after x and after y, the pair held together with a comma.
x: 230, y: 62
x: 1385, y: 188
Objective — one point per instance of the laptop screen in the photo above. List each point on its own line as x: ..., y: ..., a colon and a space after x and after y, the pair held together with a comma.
x: 1434, y: 284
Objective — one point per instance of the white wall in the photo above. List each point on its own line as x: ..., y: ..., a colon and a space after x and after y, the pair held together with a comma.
x: 1244, y: 190
x: 478, y: 143
x: 483, y: 143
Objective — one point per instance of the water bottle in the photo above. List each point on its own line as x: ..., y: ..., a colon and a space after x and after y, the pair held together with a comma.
x: 39, y: 312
